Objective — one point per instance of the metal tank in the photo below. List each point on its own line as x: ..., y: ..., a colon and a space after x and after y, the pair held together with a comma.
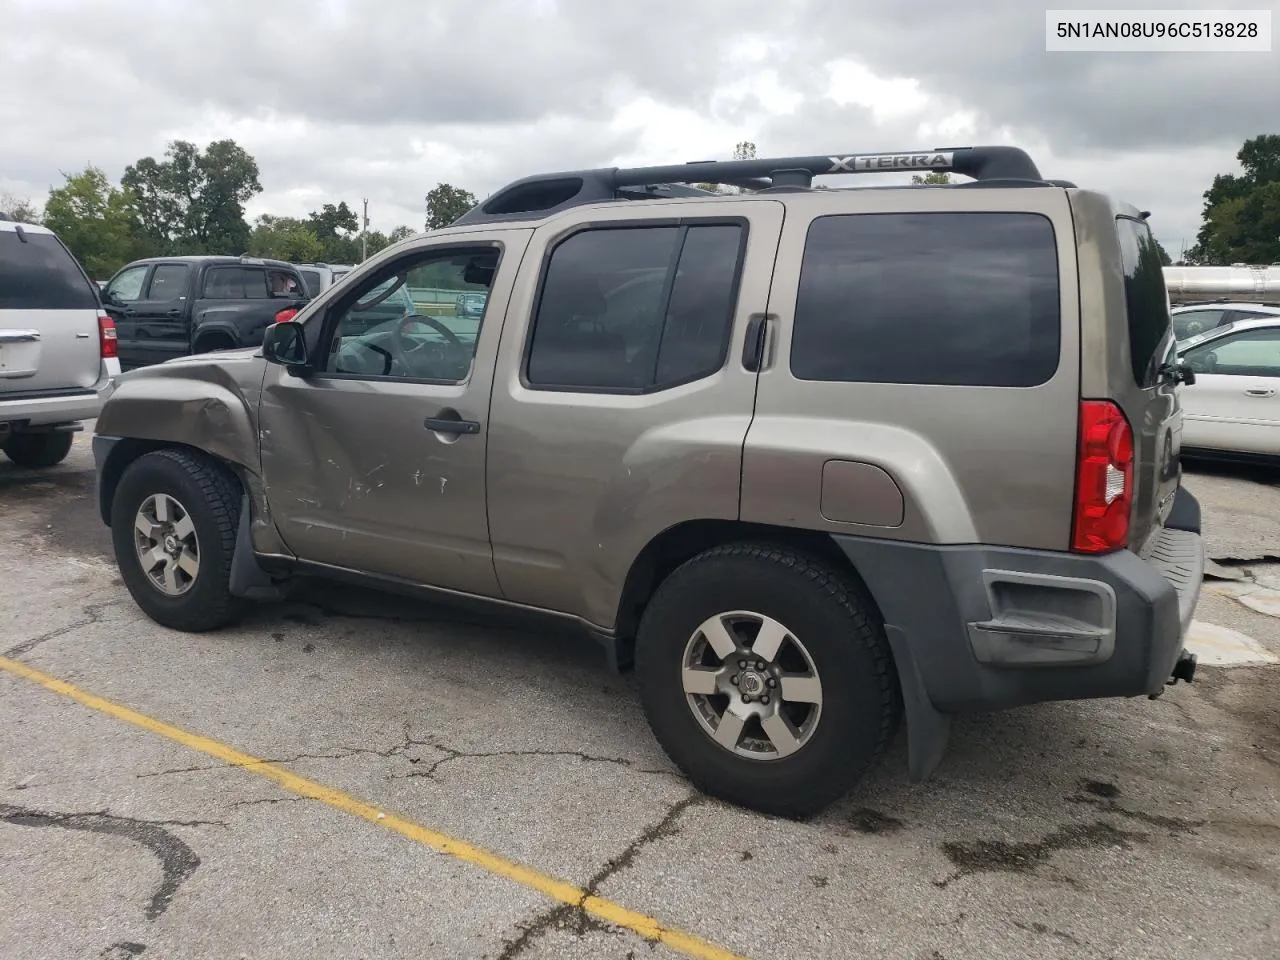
x: 1236, y: 282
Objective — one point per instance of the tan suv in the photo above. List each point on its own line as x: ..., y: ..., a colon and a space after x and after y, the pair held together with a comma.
x: 813, y: 459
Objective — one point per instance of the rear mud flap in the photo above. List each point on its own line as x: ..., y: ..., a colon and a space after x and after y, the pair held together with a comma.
x: 928, y: 730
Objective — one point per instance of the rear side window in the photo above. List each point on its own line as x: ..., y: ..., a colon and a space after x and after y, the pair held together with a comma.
x: 40, y: 274
x: 1146, y: 299
x: 255, y: 283
x: 224, y: 283
x: 235, y: 283
x: 931, y: 298
x: 168, y: 282
x: 634, y: 309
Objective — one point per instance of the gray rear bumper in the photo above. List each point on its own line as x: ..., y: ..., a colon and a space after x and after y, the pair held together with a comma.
x: 991, y: 627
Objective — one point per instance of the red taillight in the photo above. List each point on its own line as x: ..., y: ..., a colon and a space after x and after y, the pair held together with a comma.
x: 108, y: 347
x: 1104, y: 479
x: 288, y: 313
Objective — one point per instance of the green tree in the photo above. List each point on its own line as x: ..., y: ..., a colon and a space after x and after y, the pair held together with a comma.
x: 285, y: 238
x: 336, y: 228
x: 1241, y: 218
x: 18, y: 209
x: 933, y: 176
x: 402, y: 232
x: 446, y: 203
x: 193, y: 201
x: 375, y: 241
x: 94, y: 219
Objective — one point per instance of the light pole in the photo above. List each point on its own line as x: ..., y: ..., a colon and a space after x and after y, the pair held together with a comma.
x: 364, y: 231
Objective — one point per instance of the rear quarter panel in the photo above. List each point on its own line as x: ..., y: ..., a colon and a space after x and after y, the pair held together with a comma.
x: 973, y: 463
x: 245, y: 320
x: 1154, y: 414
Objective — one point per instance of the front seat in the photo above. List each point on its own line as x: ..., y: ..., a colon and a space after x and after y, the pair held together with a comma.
x: 574, y: 348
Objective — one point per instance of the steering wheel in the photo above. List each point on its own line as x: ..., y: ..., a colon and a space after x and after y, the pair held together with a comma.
x: 409, y: 346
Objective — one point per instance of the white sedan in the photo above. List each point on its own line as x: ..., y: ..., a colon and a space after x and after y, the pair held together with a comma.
x: 1233, y: 408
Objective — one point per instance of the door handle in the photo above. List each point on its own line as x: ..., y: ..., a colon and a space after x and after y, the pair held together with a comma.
x: 753, y: 345
x: 173, y: 313
x: 1259, y: 392
x: 451, y: 425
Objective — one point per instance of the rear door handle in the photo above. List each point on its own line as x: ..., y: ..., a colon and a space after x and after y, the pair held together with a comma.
x: 1259, y: 392
x: 173, y: 313
x: 449, y: 425
x: 753, y: 345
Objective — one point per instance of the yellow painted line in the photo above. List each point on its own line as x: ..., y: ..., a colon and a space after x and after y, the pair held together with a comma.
x: 549, y: 886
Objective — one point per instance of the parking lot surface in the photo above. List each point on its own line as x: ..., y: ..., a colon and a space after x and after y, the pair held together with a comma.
x: 356, y: 776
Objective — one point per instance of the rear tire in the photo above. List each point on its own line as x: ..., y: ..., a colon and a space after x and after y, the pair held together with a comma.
x: 37, y: 451
x: 173, y: 525
x: 827, y: 645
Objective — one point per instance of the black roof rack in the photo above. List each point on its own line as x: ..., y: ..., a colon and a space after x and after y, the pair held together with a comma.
x: 544, y: 194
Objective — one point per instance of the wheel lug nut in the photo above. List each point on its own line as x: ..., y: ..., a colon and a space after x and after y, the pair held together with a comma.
x: 742, y: 664
x: 773, y: 681
x: 765, y: 698
x: 759, y: 664
x: 734, y: 679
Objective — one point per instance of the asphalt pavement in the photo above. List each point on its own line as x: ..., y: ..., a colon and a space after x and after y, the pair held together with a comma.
x: 348, y: 775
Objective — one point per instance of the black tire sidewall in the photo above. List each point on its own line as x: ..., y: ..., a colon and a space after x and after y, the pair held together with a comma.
x: 199, y: 607
x: 852, y: 727
x: 36, y: 451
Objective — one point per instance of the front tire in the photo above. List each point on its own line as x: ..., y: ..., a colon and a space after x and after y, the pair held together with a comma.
x: 767, y: 678
x: 173, y: 525
x: 38, y: 451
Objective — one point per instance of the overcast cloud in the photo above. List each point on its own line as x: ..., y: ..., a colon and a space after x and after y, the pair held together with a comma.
x: 339, y: 100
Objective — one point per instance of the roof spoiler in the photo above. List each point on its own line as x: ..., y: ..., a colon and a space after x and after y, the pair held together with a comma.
x: 544, y: 194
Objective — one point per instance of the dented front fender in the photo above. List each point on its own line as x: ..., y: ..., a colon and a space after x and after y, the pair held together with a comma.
x: 207, y: 402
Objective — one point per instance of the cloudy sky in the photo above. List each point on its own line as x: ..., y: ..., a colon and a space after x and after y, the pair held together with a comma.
x: 338, y: 100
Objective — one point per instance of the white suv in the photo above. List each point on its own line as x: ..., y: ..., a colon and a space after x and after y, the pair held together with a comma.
x: 319, y: 277
x: 57, y: 346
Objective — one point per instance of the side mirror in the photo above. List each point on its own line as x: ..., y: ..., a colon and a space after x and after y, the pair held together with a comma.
x: 284, y: 343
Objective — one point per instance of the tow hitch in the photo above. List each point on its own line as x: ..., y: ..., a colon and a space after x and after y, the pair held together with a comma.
x: 1184, y: 670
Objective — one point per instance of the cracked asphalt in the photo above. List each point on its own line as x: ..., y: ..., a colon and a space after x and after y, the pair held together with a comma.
x: 1130, y: 829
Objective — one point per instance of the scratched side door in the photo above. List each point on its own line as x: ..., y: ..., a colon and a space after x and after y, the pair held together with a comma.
x: 374, y: 459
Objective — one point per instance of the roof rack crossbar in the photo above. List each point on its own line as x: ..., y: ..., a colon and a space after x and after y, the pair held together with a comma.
x: 544, y: 194
x: 981, y: 163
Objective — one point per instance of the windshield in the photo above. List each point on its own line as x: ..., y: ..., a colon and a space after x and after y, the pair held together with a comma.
x: 311, y: 280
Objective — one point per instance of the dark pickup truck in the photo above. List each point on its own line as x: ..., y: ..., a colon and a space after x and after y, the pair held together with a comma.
x: 166, y: 307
